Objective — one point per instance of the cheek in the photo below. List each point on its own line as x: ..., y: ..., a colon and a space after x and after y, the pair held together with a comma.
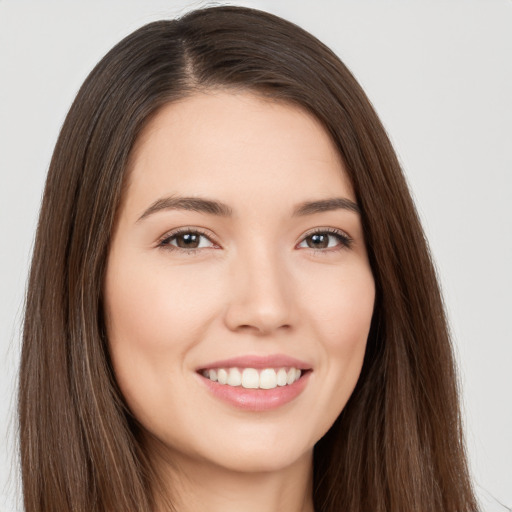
x: 343, y: 309
x: 153, y: 309
x: 342, y: 324
x: 154, y: 317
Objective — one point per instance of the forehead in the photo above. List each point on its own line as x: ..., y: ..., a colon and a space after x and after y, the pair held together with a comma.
x: 222, y: 143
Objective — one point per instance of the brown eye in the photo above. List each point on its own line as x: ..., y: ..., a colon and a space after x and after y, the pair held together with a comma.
x: 327, y: 239
x: 187, y: 240
x: 319, y: 241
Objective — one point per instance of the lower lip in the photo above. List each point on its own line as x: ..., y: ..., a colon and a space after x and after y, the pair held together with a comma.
x: 257, y: 399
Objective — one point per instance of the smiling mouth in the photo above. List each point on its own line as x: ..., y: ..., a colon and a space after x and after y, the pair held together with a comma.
x: 252, y: 378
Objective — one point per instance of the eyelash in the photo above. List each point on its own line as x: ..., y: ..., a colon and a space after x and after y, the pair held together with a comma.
x: 343, y: 238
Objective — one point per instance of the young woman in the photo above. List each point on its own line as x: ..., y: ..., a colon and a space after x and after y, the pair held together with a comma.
x: 231, y: 303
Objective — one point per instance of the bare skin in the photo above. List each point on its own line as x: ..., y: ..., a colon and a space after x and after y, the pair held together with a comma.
x: 259, y: 282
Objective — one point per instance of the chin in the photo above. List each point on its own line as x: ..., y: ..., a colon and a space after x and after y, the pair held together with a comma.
x: 261, y: 457
x: 260, y: 462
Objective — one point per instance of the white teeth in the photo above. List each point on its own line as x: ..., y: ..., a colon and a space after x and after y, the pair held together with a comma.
x: 268, y: 379
x: 222, y: 376
x: 281, y: 377
x: 234, y: 377
x: 250, y: 378
x: 293, y: 375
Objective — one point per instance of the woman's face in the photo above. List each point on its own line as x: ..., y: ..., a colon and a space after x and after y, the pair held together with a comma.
x: 263, y: 279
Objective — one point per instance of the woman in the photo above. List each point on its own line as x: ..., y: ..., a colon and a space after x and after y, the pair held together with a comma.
x: 231, y: 302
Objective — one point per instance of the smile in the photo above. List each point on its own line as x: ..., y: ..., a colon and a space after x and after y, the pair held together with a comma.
x: 251, y: 378
x: 254, y: 389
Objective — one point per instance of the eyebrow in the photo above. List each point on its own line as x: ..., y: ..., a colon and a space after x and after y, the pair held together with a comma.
x: 218, y: 208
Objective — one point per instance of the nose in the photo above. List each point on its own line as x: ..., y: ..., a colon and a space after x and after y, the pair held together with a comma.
x: 261, y: 292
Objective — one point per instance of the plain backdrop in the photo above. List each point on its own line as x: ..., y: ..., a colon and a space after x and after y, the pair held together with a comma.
x: 440, y: 76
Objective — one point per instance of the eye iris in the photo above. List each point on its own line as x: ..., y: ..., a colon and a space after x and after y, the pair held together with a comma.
x: 187, y: 241
x: 320, y: 241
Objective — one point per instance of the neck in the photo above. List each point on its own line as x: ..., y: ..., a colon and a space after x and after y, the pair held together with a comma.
x: 195, y: 485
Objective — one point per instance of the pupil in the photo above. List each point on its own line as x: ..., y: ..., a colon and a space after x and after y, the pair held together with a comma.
x: 319, y: 240
x: 188, y: 240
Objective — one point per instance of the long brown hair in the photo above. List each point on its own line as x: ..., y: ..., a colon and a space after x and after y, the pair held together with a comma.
x: 397, y: 445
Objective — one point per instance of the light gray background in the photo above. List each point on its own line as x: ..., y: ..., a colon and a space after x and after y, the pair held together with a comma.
x: 440, y: 76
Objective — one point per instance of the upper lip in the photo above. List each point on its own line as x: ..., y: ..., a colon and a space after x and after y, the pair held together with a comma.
x: 259, y: 362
